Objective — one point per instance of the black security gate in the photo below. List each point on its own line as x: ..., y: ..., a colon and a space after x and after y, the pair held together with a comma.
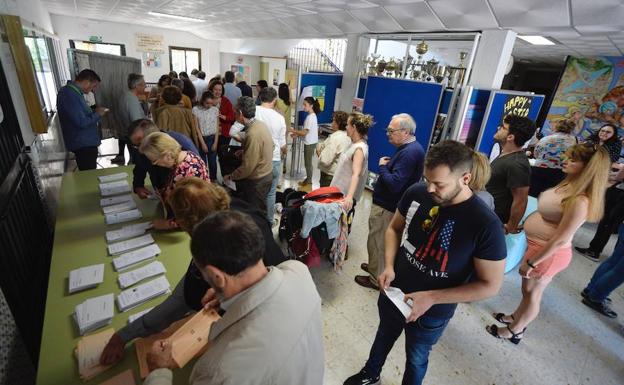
x: 25, y: 229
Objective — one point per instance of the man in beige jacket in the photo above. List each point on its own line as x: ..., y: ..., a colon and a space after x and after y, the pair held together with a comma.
x: 271, y: 330
x: 255, y: 174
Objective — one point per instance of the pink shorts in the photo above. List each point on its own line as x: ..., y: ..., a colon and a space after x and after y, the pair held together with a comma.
x: 558, y: 261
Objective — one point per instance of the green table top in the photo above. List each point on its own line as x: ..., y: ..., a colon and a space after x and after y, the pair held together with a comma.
x: 79, y: 241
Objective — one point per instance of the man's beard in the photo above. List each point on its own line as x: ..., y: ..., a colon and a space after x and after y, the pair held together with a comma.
x: 448, y: 198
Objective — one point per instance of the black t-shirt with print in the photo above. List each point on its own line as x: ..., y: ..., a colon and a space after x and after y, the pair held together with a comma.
x: 439, y: 244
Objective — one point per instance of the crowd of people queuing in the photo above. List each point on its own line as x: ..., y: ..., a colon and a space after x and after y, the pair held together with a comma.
x: 437, y: 223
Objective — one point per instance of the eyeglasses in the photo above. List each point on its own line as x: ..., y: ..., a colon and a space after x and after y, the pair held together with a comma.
x: 390, y: 130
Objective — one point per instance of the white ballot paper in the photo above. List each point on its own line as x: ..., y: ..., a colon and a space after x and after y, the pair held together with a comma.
x: 127, y: 232
x: 396, y: 295
x: 138, y: 315
x: 115, y: 184
x: 129, y: 278
x: 115, y: 200
x: 124, y: 216
x: 230, y: 183
x: 130, y: 244
x: 112, y: 177
x: 135, y: 296
x: 86, y: 277
x: 114, y: 188
x: 94, y: 313
x: 119, y: 207
x: 126, y: 260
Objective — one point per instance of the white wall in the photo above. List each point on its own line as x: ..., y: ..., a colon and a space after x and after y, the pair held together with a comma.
x: 32, y: 12
x: 275, y: 64
x: 80, y: 29
x: 259, y: 47
x: 227, y: 59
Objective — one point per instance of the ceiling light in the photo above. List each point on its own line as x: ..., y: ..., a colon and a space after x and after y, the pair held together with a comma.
x: 185, y: 18
x: 536, y: 40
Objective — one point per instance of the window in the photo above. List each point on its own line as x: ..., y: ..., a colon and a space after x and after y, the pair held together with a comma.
x: 44, y: 62
x: 109, y: 48
x: 184, y: 59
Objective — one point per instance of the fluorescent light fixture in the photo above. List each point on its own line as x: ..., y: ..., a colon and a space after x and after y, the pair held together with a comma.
x: 536, y: 40
x: 185, y: 18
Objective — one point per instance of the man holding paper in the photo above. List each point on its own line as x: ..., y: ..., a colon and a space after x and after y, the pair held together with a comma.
x: 443, y: 246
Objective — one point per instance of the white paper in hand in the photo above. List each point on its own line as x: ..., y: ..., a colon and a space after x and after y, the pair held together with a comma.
x: 396, y: 295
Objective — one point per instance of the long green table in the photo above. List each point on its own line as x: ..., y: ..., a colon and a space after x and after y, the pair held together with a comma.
x: 79, y: 241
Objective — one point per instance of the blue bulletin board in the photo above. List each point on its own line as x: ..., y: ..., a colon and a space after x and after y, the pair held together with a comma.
x: 386, y: 97
x: 361, y: 88
x: 472, y: 116
x: 446, y: 101
x: 502, y: 103
x: 323, y: 85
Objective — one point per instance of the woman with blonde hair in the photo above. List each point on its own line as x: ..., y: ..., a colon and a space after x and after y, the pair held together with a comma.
x: 481, y: 173
x: 164, y: 151
x: 561, y: 210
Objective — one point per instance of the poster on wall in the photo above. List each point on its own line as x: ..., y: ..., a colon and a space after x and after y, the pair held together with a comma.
x: 152, y: 60
x: 591, y: 93
x: 276, y: 75
x: 317, y: 92
x: 244, y: 70
x: 146, y: 42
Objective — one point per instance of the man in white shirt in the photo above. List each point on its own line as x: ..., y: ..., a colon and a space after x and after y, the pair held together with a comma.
x: 271, y: 331
x: 229, y: 88
x: 201, y: 85
x: 266, y: 113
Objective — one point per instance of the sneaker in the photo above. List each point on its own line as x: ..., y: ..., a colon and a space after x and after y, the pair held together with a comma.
x: 584, y: 295
x: 588, y: 253
x: 362, y: 378
x: 600, y: 307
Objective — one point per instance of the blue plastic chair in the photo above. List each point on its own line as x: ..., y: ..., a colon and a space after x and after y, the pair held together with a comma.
x: 517, y: 243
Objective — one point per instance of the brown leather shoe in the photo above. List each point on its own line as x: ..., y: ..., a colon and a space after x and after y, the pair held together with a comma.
x: 364, y: 266
x: 364, y: 280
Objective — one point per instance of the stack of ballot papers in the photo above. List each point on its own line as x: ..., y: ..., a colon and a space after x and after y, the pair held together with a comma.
x: 130, y: 244
x: 86, y: 277
x: 114, y: 188
x: 123, y: 216
x: 115, y: 200
x: 88, y: 354
x: 127, y: 260
x: 138, y: 315
x: 135, y: 296
x: 112, y: 177
x: 119, y: 207
x: 128, y: 231
x: 131, y: 277
x: 94, y: 313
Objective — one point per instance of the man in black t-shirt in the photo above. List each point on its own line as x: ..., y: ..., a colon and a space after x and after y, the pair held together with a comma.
x: 443, y: 246
x: 511, y: 171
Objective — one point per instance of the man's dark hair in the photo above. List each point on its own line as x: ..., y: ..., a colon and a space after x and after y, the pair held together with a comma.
x: 456, y: 156
x: 267, y: 95
x: 229, y: 77
x: 88, y: 75
x: 247, y: 106
x: 133, y: 80
x: 183, y: 75
x: 262, y: 83
x: 173, y: 74
x: 194, y: 71
x: 228, y: 240
x: 172, y: 95
x: 201, y: 75
x: 520, y: 127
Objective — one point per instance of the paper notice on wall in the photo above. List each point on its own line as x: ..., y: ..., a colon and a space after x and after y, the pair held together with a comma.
x: 146, y: 42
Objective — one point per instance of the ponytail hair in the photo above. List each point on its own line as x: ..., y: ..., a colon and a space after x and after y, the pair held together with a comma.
x: 316, y: 107
x: 361, y: 122
x: 480, y: 171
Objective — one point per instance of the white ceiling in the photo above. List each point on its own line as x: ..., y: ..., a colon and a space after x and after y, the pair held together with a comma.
x: 580, y: 27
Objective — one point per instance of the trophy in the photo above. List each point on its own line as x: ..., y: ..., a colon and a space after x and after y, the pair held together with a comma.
x: 381, y: 67
x: 391, y: 67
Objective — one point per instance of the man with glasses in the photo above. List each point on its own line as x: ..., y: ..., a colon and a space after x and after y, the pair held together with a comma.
x: 129, y: 109
x: 396, y: 174
x: 511, y: 171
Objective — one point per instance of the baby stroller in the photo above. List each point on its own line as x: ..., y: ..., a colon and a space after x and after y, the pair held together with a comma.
x: 318, y: 243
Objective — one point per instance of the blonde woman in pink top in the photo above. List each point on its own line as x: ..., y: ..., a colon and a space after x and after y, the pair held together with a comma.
x: 561, y: 210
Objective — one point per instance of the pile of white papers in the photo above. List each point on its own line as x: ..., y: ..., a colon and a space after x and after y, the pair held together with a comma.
x: 124, y: 216
x: 130, y: 298
x: 127, y: 232
x: 86, y: 277
x: 115, y: 200
x: 130, y: 244
x: 114, y: 188
x: 138, y: 315
x: 131, y: 277
x: 119, y: 207
x: 126, y: 260
x: 94, y: 313
x: 112, y: 177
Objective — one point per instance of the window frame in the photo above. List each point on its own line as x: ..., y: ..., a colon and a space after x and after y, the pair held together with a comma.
x: 122, y: 47
x: 198, y: 50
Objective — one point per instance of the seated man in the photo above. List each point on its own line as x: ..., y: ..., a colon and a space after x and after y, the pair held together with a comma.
x: 271, y: 330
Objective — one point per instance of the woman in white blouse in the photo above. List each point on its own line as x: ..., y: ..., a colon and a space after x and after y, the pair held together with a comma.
x: 329, y: 151
x: 207, y: 114
x: 310, y: 136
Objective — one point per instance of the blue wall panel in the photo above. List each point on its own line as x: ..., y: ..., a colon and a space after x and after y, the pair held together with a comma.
x: 331, y: 82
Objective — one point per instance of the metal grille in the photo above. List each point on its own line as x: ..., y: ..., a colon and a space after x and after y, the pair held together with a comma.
x: 327, y: 55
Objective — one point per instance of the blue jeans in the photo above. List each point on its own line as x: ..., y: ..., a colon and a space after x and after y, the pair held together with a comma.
x: 610, y: 274
x: 277, y: 172
x: 210, y: 157
x: 420, y: 336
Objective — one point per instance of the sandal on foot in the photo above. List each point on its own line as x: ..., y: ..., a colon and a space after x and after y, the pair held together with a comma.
x: 499, y: 318
x: 515, y: 337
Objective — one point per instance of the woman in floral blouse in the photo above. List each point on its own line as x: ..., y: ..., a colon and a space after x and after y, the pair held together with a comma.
x: 163, y: 151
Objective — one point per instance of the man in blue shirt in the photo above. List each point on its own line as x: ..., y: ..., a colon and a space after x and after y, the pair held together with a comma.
x: 138, y: 130
x: 79, y: 123
x: 444, y: 246
x: 396, y: 174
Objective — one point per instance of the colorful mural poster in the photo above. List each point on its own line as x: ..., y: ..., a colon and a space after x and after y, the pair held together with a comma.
x: 591, y: 93
x: 243, y: 70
